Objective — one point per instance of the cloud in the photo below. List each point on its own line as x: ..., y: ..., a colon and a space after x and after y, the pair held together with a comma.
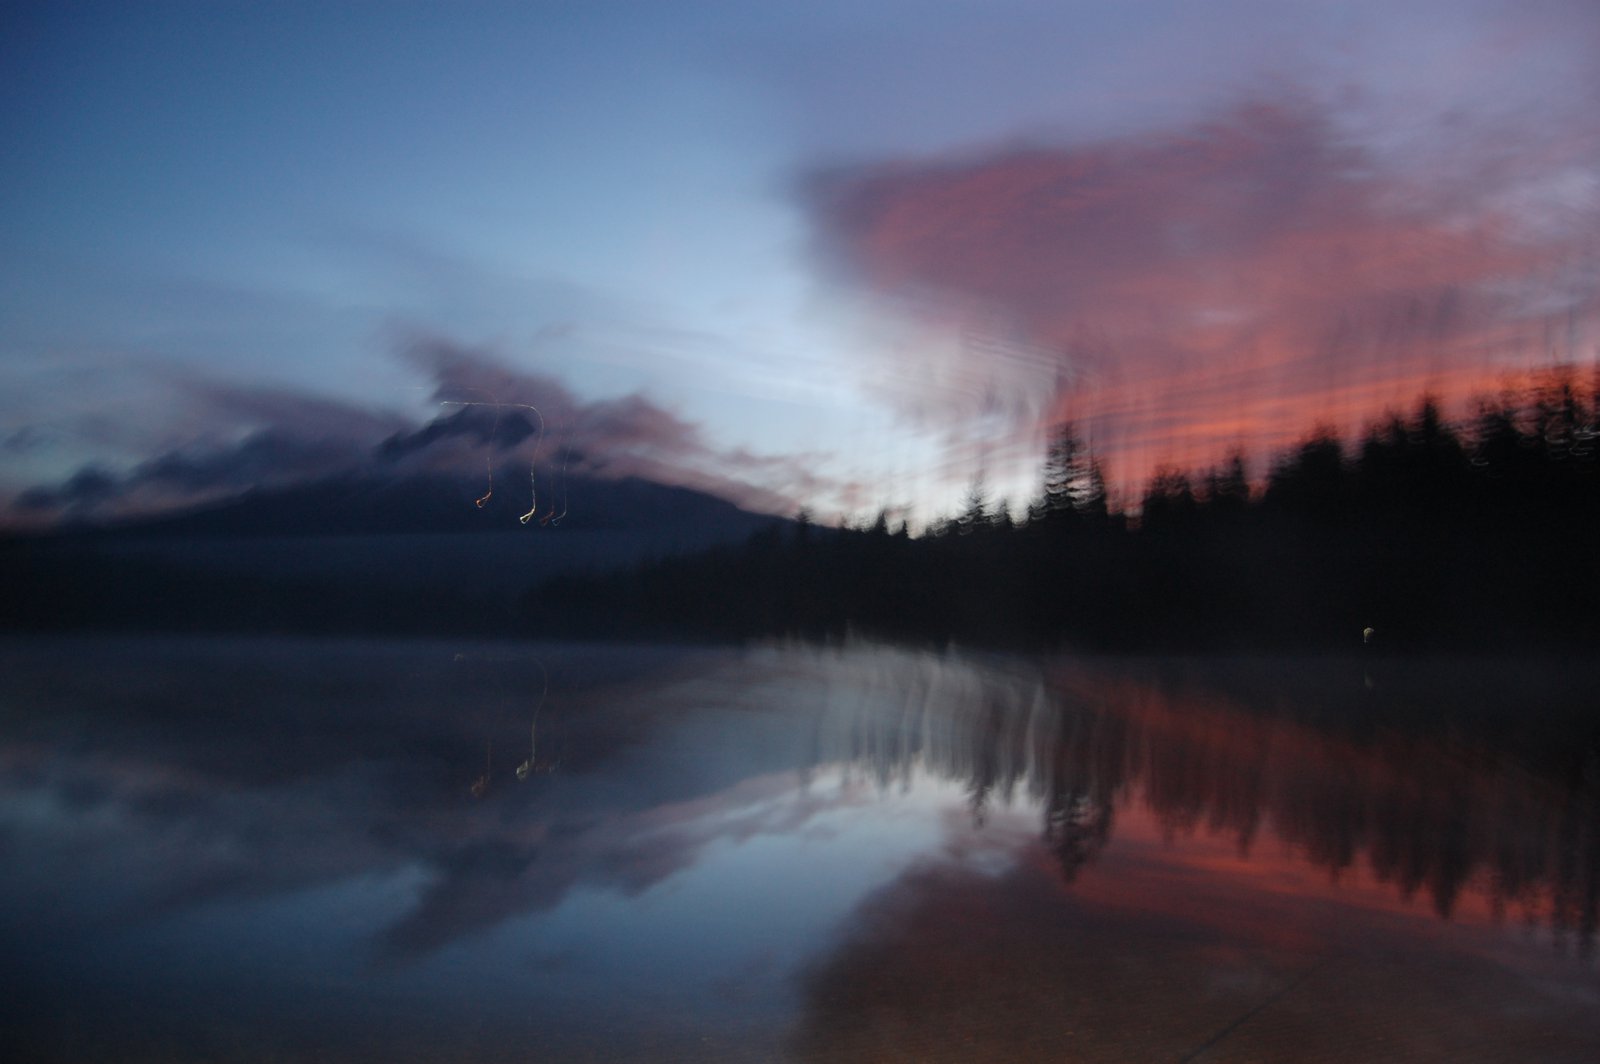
x: 603, y: 432
x: 262, y: 459
x: 488, y: 412
x: 285, y: 412
x: 625, y: 436
x: 238, y: 438
x: 1228, y: 282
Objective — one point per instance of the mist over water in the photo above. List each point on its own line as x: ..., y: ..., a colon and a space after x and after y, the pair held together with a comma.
x: 245, y: 849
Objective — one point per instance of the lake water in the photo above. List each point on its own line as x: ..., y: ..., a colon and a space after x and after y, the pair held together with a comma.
x: 260, y: 849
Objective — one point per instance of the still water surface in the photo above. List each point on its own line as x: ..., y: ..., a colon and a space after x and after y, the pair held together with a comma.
x: 255, y: 849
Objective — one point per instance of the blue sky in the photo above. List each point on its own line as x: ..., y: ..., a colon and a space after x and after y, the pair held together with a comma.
x: 203, y: 204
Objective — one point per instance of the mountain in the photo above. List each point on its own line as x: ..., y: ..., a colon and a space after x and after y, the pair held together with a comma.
x: 430, y: 503
x: 354, y: 553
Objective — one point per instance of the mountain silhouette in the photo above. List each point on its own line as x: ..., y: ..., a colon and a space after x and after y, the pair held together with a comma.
x: 374, y: 505
x: 355, y: 552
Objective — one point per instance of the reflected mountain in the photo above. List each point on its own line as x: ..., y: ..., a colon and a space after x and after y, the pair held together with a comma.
x: 723, y: 812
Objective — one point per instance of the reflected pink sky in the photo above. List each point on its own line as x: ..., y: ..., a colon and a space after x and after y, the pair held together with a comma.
x: 851, y: 853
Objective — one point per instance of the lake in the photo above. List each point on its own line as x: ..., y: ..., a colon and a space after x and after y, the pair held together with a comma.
x: 256, y: 849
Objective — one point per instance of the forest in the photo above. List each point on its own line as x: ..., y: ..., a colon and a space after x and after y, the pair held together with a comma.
x: 1425, y: 534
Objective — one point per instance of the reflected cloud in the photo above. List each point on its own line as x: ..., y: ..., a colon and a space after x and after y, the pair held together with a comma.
x: 950, y: 960
x: 177, y: 776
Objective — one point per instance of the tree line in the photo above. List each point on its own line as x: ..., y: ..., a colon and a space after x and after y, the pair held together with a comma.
x: 1432, y: 533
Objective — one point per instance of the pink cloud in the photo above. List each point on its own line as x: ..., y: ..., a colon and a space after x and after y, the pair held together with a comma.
x: 1229, y: 284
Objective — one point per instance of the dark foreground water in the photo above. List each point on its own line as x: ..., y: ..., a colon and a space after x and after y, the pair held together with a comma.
x: 266, y: 850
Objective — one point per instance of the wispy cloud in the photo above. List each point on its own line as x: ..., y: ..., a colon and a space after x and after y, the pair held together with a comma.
x: 239, y: 438
x: 632, y: 435
x: 262, y: 459
x: 489, y: 411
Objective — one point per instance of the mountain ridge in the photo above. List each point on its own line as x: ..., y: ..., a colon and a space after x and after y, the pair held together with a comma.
x: 370, y: 504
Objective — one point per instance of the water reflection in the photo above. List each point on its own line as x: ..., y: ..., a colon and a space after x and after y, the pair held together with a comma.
x: 534, y: 763
x: 781, y: 850
x: 1426, y: 807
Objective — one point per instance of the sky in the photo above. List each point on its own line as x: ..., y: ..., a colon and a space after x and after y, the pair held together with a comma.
x: 841, y: 256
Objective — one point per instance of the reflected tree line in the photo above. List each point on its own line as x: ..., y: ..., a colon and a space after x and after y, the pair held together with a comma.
x: 1434, y: 816
x: 1433, y: 533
